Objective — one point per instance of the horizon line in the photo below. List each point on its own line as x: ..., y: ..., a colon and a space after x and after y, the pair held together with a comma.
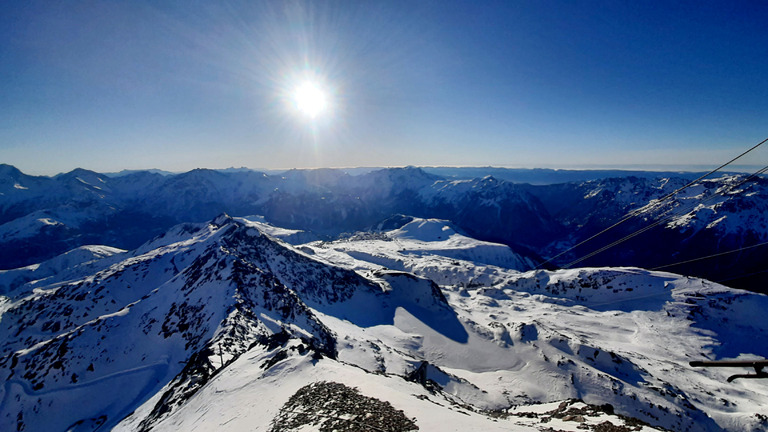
x: 671, y: 168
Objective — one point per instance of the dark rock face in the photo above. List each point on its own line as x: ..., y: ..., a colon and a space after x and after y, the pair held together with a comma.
x: 331, y: 406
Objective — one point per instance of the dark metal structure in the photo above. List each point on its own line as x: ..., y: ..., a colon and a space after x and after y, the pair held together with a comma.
x: 757, y: 364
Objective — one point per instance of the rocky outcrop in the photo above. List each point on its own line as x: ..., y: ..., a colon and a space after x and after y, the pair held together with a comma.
x: 332, y: 406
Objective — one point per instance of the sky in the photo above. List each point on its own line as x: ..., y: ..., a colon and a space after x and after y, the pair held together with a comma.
x: 177, y: 85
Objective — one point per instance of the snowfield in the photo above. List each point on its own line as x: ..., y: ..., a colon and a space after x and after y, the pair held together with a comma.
x: 218, y: 326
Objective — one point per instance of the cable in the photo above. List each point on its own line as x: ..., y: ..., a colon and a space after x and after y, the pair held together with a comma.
x: 742, y: 276
x: 710, y: 256
x: 617, y: 242
x: 669, y: 195
x: 653, y: 204
x: 668, y: 217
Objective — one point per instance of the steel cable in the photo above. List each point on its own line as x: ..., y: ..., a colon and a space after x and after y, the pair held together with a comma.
x: 653, y: 204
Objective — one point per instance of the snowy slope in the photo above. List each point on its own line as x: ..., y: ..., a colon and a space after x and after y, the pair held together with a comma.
x: 419, y: 244
x: 78, y: 262
x: 726, y: 216
x: 729, y: 206
x: 137, y: 324
x: 291, y: 236
x: 740, y: 198
x: 215, y: 326
x: 539, y: 336
x: 558, y: 323
x: 246, y: 397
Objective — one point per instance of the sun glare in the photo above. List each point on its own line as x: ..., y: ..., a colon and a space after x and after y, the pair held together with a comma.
x: 310, y: 99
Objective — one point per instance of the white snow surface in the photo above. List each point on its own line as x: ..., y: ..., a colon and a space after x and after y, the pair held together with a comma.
x: 710, y: 205
x: 192, y: 322
x: 292, y: 236
x: 76, y: 263
x: 421, y: 244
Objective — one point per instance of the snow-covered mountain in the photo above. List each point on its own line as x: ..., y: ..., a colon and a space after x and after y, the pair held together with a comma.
x: 726, y: 217
x: 409, y: 241
x: 73, y: 264
x: 42, y: 217
x: 221, y: 326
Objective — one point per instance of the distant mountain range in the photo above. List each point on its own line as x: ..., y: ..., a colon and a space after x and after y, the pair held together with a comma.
x: 541, y: 219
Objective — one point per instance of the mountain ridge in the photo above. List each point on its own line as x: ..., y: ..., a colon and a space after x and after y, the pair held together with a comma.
x: 182, y: 319
x: 49, y: 216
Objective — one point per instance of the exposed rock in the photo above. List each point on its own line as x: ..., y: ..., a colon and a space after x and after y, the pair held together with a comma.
x: 331, y: 406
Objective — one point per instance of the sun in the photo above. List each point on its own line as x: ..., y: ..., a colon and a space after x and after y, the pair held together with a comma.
x: 310, y: 99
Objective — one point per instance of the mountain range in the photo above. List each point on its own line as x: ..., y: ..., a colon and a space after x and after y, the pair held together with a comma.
x: 236, y: 324
x: 724, y: 215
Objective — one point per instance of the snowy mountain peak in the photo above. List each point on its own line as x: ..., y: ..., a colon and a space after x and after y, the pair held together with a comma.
x: 78, y: 262
x: 42, y: 217
x: 427, y: 230
x: 221, y: 317
x: 222, y: 220
x: 219, y: 290
x: 84, y: 175
x: 488, y: 180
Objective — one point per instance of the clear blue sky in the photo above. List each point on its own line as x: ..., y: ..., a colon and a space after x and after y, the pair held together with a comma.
x: 111, y: 85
